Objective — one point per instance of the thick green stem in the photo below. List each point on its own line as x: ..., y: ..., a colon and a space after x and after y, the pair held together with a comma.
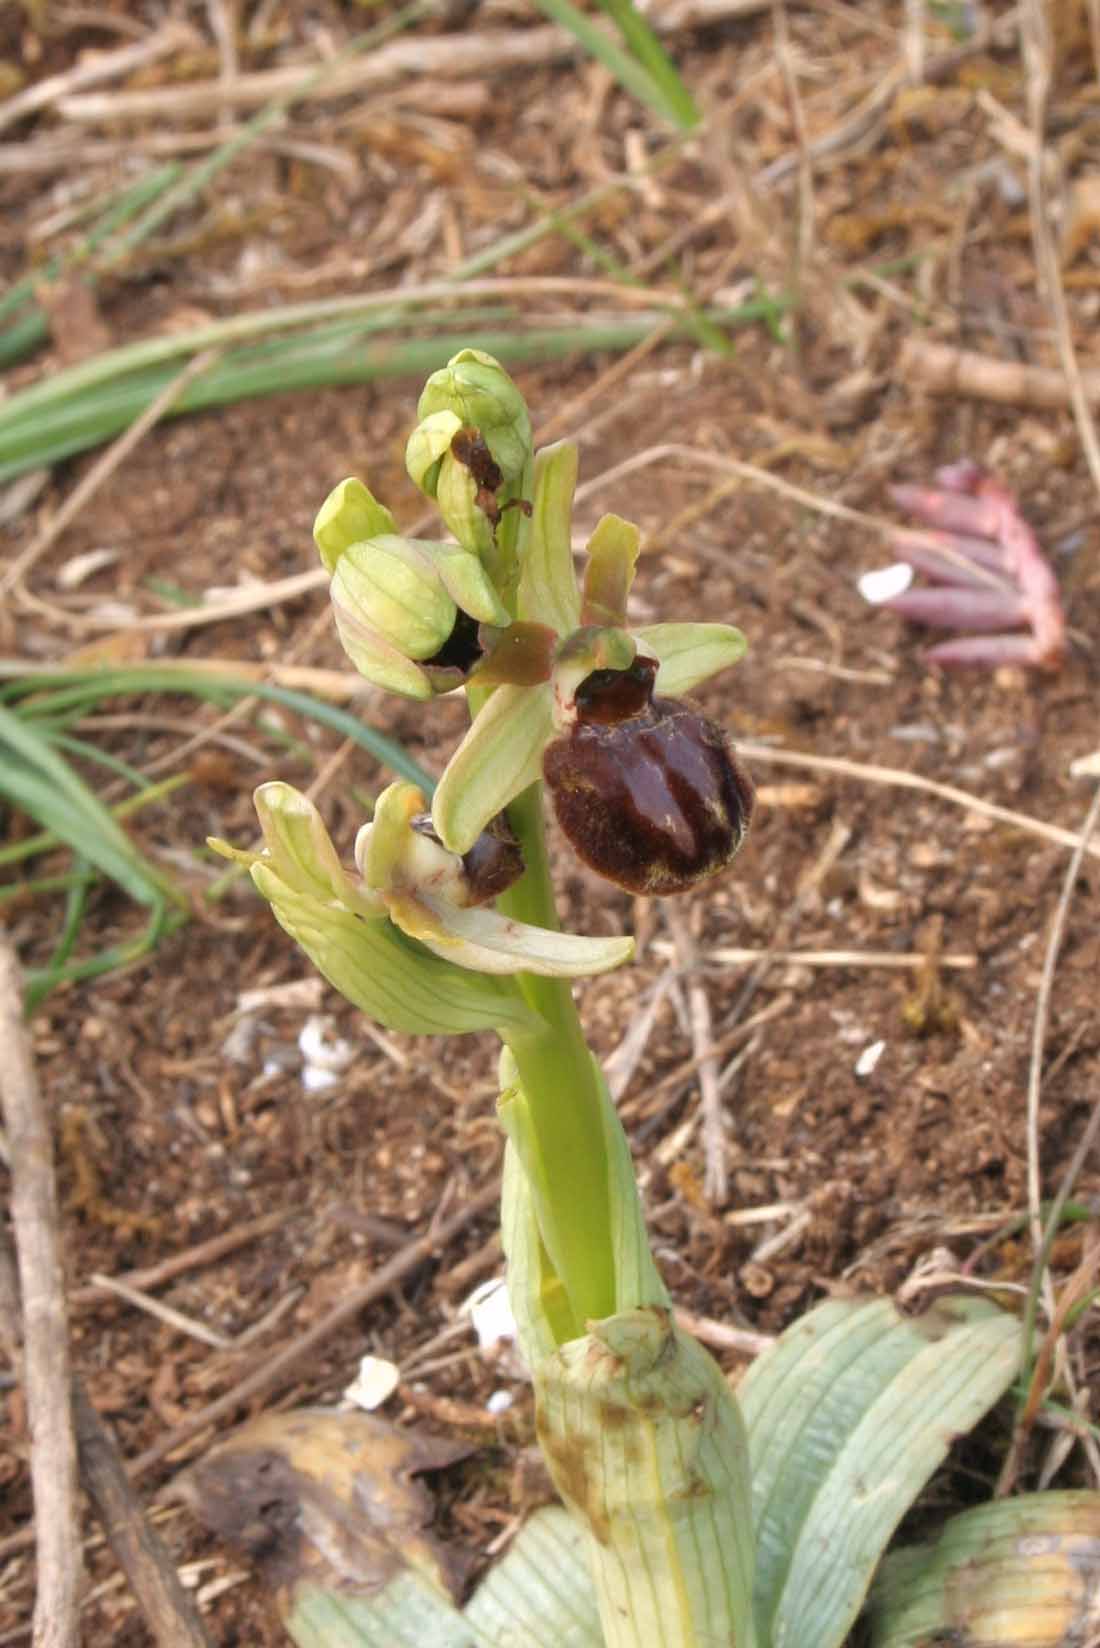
x: 562, y: 1089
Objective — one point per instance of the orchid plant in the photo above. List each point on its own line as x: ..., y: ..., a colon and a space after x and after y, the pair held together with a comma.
x: 447, y: 925
x: 754, y: 1520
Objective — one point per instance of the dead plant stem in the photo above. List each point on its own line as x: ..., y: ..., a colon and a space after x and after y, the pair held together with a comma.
x: 46, y: 1377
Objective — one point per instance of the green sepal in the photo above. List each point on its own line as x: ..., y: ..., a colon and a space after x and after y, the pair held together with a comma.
x: 609, y: 571
x: 393, y: 980
x: 500, y: 755
x: 391, y: 587
x: 377, y: 660
x: 344, y: 928
x: 349, y: 514
x: 548, y: 592
x: 689, y: 653
x: 299, y: 851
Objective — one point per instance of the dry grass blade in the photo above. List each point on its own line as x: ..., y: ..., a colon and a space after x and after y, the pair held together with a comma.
x: 1037, y: 47
x: 106, y: 66
x: 896, y: 776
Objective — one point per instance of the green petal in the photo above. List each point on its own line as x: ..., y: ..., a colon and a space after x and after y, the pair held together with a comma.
x: 489, y: 942
x: 548, y: 592
x: 381, y: 846
x: 300, y: 854
x: 609, y: 572
x: 689, y: 653
x: 397, y: 983
x: 499, y: 756
x: 349, y: 514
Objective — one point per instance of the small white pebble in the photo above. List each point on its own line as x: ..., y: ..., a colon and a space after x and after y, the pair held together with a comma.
x: 870, y: 1056
x: 885, y: 582
x: 316, y: 1079
x: 375, y: 1382
x: 500, y: 1401
x: 490, y: 1311
x: 319, y: 1045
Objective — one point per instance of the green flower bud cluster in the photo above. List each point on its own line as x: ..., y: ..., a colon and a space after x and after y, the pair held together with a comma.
x: 471, y: 446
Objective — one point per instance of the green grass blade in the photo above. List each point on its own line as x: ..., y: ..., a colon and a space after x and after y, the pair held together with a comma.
x: 31, y: 328
x: 651, y: 55
x: 34, y: 778
x: 40, y: 981
x: 632, y: 74
x: 39, y: 428
x: 71, y: 688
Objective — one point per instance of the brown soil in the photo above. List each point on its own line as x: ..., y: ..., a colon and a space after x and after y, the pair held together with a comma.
x: 919, y: 228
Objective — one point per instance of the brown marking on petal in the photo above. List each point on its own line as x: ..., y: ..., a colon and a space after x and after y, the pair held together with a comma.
x: 494, y: 862
x: 609, y: 695
x: 492, y: 865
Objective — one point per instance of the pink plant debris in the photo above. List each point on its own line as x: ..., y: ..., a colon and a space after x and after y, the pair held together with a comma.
x: 985, y: 569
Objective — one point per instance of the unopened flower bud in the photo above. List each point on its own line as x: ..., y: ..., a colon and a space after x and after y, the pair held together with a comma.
x: 648, y: 792
x: 477, y: 390
x: 407, y: 612
x: 348, y: 515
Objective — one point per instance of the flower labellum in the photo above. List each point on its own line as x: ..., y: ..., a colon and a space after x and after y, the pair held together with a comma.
x: 648, y: 792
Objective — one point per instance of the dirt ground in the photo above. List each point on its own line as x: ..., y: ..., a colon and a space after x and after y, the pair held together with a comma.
x: 174, y: 1127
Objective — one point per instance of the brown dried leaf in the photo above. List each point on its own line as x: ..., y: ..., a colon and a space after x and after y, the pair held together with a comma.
x: 325, y: 1497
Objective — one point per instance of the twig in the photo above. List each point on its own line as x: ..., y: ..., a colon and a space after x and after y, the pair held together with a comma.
x: 448, y: 56
x: 1037, y: 48
x: 45, y: 1338
x: 730, y: 956
x: 1035, y: 1069
x: 1042, y: 1238
x: 169, y: 1611
x: 716, y: 1176
x: 192, y: 1258
x: 274, y: 1370
x: 164, y: 1313
x: 720, y: 1336
x: 913, y: 42
x: 804, y: 228
x: 94, y: 479
x: 944, y: 370
x: 724, y: 1044
x: 902, y: 780
x: 1011, y: 1465
x: 104, y: 66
